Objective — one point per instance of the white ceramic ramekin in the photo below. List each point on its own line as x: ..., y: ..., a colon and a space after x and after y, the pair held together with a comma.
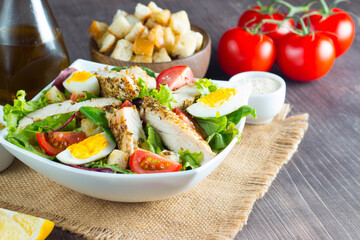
x: 267, y: 105
x: 6, y: 158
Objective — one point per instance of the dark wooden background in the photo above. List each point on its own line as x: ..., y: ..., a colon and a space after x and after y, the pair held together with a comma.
x: 317, y: 194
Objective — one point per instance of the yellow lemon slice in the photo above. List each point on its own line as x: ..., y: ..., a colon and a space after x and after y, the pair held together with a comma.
x: 15, y: 225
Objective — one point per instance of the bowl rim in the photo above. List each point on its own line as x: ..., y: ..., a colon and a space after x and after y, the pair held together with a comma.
x: 219, y: 157
x: 93, y: 47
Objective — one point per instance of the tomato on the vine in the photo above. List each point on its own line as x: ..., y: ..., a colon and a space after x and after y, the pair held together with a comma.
x: 337, y: 24
x: 240, y: 51
x: 250, y: 18
x: 305, y: 58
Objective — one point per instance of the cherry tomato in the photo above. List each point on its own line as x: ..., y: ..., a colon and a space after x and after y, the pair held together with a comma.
x: 305, y: 58
x: 253, y: 16
x: 339, y: 26
x: 175, y: 77
x: 55, y: 142
x: 142, y: 161
x: 241, y: 51
x: 127, y: 103
x: 74, y: 96
x: 190, y: 121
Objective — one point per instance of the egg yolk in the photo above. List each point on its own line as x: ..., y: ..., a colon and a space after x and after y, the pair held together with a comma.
x: 80, y: 77
x: 218, y: 97
x: 89, y: 147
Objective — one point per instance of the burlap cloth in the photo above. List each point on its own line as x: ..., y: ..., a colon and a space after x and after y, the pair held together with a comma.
x: 217, y: 208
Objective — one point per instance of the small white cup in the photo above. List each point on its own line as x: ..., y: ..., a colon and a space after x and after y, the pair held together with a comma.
x: 6, y: 158
x: 267, y: 105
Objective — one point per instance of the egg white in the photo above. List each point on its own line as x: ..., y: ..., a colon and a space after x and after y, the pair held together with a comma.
x: 67, y: 158
x: 235, y: 102
x: 91, y: 85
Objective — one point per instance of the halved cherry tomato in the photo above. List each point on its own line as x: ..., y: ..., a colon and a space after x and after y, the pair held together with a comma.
x: 55, y: 142
x: 127, y: 103
x: 190, y: 121
x: 75, y: 96
x: 175, y: 77
x: 142, y: 161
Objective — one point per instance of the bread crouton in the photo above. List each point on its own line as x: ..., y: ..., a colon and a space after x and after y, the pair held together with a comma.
x: 120, y: 13
x: 106, y: 42
x: 135, y: 32
x: 142, y: 12
x: 156, y: 35
x: 97, y: 29
x: 162, y: 17
x: 143, y: 47
x: 199, y: 40
x: 161, y: 56
x: 179, y: 22
x: 150, y: 23
x: 185, y: 45
x: 54, y: 95
x: 119, y: 27
x: 154, y: 8
x: 145, y: 33
x: 169, y: 39
x: 141, y: 59
x: 118, y: 158
x: 123, y: 50
x: 132, y: 20
x: 90, y: 128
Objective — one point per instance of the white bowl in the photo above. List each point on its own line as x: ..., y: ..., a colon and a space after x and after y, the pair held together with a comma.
x: 118, y: 187
x: 6, y: 158
x: 267, y: 105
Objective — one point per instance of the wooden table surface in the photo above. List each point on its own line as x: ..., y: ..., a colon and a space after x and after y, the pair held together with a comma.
x: 317, y: 194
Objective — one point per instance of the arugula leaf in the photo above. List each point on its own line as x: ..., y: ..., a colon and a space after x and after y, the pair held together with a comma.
x: 102, y: 163
x: 147, y: 70
x: 86, y: 97
x: 98, y: 117
x: 212, y: 125
x: 205, y: 86
x: 164, y: 95
x: 26, y: 138
x: 21, y: 107
x: 153, y: 140
x: 189, y: 160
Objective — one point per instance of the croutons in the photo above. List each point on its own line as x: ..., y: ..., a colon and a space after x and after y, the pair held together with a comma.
x: 156, y: 35
x: 145, y: 33
x: 132, y: 20
x: 161, y: 56
x: 141, y: 59
x: 154, y: 8
x: 135, y: 32
x: 97, y: 29
x: 54, y: 95
x: 119, y: 27
x: 119, y: 158
x: 169, y: 39
x: 120, y: 13
x: 199, y: 40
x: 106, y: 42
x: 142, y: 12
x: 90, y: 128
x: 162, y: 17
x: 123, y: 50
x: 143, y: 47
x: 185, y: 46
x: 179, y: 22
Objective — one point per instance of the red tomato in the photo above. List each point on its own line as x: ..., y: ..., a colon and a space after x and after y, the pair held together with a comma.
x: 55, y: 142
x: 241, y: 51
x: 74, y: 96
x: 190, y: 121
x: 142, y: 161
x: 253, y: 16
x: 305, y: 58
x: 339, y: 26
x: 127, y: 103
x: 175, y: 77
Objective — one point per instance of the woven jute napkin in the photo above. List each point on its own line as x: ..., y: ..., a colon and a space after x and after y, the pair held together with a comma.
x: 217, y: 208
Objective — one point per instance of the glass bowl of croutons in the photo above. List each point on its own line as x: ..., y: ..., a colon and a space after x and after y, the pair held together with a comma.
x: 152, y: 37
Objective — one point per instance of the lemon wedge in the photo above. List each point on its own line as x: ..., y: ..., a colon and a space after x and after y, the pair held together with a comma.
x: 14, y: 225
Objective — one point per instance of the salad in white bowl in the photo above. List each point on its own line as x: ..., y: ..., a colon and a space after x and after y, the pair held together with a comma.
x: 126, y: 122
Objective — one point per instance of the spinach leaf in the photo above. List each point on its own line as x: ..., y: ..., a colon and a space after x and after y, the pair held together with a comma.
x: 212, y: 125
x: 98, y: 117
x: 153, y: 140
x: 237, y: 115
x: 189, y: 160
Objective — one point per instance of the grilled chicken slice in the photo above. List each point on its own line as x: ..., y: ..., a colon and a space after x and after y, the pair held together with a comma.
x: 175, y: 133
x: 138, y: 72
x: 117, y: 84
x: 185, y: 96
x: 65, y: 107
x: 126, y: 127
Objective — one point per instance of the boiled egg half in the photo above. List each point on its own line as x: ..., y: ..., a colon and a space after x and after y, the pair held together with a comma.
x: 91, y: 149
x: 221, y: 102
x: 81, y: 81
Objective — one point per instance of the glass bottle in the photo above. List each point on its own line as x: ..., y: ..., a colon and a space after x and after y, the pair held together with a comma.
x: 32, y: 49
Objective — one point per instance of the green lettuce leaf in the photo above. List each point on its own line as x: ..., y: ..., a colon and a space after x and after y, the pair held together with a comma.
x: 87, y: 96
x: 164, y: 95
x: 189, y: 160
x: 153, y: 140
x: 21, y: 107
x: 98, y: 117
x: 205, y: 86
x: 212, y: 125
x: 143, y: 88
x: 237, y: 115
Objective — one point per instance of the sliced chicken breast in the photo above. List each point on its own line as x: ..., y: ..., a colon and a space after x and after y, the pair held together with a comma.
x: 185, y: 96
x: 175, y: 133
x: 65, y: 107
x: 126, y: 127
x: 117, y: 84
x: 138, y: 72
